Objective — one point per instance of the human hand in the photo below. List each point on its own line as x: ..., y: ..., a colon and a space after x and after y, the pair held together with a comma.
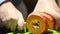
x: 11, y: 17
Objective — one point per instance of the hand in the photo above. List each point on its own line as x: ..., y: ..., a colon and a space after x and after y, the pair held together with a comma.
x: 11, y: 16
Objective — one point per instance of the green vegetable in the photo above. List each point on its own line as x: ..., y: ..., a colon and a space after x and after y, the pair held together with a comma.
x: 27, y: 33
x: 18, y: 33
x: 25, y: 28
x: 53, y: 31
x: 10, y: 33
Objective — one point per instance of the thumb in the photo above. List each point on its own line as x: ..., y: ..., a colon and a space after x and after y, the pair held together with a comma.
x: 20, y: 24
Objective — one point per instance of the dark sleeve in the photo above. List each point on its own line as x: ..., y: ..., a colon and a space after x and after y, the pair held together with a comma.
x: 30, y: 4
x: 16, y: 2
